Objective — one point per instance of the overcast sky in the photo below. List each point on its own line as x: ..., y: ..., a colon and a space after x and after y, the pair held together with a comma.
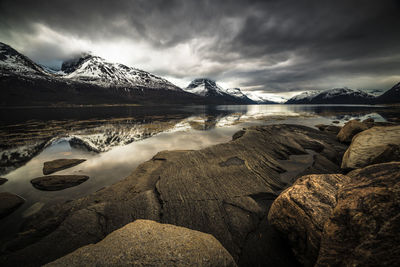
x: 260, y: 46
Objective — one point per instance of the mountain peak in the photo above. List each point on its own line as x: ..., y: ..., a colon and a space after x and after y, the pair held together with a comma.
x: 72, y: 64
x: 204, y: 87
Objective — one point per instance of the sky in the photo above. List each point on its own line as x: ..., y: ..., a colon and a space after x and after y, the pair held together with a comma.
x: 263, y: 47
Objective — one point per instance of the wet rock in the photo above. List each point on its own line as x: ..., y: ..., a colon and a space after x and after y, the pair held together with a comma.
x: 336, y: 122
x: 329, y: 128
x: 224, y: 190
x: 375, y: 145
x: 364, y: 227
x: 350, y: 129
x: 60, y: 164
x: 299, y: 213
x: 9, y: 203
x: 3, y: 180
x: 58, y: 182
x: 148, y: 243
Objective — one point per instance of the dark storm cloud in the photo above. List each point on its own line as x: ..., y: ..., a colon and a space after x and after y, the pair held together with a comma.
x: 324, y: 43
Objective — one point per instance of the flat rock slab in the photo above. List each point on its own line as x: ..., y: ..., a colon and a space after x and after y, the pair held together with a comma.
x: 3, y: 180
x: 60, y: 164
x: 375, y: 145
x: 148, y: 243
x: 58, y: 182
x: 224, y: 190
x: 8, y: 203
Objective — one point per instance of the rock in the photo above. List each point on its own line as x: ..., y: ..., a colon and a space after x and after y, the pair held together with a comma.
x: 368, y: 120
x: 350, y: 129
x: 300, y: 212
x: 364, y: 227
x: 329, y: 128
x: 60, y: 164
x: 336, y: 122
x: 148, y: 243
x: 375, y: 145
x: 9, y: 203
x: 3, y: 180
x: 58, y: 182
x: 224, y: 190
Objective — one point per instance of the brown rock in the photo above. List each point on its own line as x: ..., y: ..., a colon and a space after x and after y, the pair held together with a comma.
x: 60, y: 164
x: 350, y: 129
x: 3, y: 181
x: 364, y: 227
x: 58, y: 182
x: 375, y: 145
x: 9, y: 203
x: 300, y: 212
x: 368, y: 120
x: 148, y: 243
x: 328, y: 128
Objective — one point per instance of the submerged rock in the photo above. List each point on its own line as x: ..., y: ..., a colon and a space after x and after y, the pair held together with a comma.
x: 300, y: 212
x: 350, y: 129
x: 364, y: 227
x: 58, y: 182
x: 225, y: 190
x: 9, y: 203
x: 3, y: 180
x: 60, y: 164
x: 148, y: 243
x: 375, y: 145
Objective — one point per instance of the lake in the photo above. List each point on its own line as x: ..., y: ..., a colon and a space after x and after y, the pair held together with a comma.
x: 116, y: 139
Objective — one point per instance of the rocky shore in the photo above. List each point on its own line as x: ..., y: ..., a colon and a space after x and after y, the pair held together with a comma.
x: 241, y: 194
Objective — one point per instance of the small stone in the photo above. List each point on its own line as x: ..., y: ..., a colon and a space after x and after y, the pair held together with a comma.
x: 58, y: 182
x: 3, y: 180
x: 9, y: 203
x: 60, y: 164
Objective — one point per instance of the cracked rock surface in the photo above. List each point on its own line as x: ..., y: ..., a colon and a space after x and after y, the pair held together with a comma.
x: 224, y: 190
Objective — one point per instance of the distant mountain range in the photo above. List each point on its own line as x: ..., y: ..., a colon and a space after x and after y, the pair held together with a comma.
x: 89, y: 79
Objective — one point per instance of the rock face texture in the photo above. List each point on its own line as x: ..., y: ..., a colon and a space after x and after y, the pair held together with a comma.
x: 224, y: 190
x: 60, y: 164
x: 58, y: 182
x: 148, y: 243
x: 364, y: 227
x: 375, y: 145
x: 301, y: 211
x: 9, y: 203
x: 350, y: 129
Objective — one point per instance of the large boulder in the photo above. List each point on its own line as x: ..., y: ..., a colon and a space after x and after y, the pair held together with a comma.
x: 300, y: 212
x: 9, y: 203
x: 350, y: 129
x: 148, y: 243
x: 224, y: 190
x: 60, y: 164
x: 364, y: 227
x: 375, y: 145
x: 58, y: 182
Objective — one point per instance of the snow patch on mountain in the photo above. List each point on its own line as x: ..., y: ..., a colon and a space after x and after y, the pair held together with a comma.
x: 96, y: 70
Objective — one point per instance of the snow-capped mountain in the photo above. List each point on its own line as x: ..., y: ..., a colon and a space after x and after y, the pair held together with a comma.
x: 213, y: 92
x: 390, y: 96
x: 14, y: 63
x: 96, y: 70
x: 265, y: 99
x: 332, y: 96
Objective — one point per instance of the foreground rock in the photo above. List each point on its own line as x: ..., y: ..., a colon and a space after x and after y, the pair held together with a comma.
x: 364, y: 227
x: 329, y: 128
x: 350, y: 129
x: 58, y: 182
x: 3, y: 181
x: 148, y: 243
x: 225, y: 190
x: 9, y: 203
x: 300, y: 212
x: 60, y: 164
x: 375, y: 145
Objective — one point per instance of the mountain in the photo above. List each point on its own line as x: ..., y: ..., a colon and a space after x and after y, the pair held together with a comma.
x: 96, y: 70
x: 86, y: 80
x: 332, y: 96
x: 14, y: 63
x: 391, y: 96
x: 265, y: 99
x: 215, y: 94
